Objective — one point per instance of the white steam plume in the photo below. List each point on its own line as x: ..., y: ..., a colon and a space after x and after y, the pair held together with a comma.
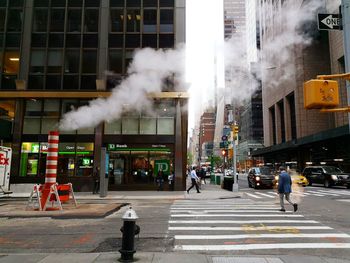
x: 146, y: 74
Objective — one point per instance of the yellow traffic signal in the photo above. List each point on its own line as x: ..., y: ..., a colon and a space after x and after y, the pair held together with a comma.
x: 230, y: 153
x: 321, y: 94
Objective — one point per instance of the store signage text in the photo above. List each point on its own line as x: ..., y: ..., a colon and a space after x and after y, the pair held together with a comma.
x: 3, y: 159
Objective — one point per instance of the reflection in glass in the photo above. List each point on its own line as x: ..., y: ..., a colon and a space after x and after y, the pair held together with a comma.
x: 130, y: 125
x: 113, y: 127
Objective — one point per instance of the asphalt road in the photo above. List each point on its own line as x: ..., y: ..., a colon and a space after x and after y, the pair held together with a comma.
x: 180, y: 225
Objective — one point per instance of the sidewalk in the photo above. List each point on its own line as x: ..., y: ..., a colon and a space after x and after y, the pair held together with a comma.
x: 170, y: 257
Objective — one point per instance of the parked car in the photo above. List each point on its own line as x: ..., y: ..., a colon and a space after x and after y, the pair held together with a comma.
x: 326, y: 175
x: 261, y: 176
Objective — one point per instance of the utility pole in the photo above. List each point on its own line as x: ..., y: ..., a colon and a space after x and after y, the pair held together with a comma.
x: 345, y: 9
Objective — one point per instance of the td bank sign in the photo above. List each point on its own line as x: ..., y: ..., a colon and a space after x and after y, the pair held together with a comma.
x: 163, y: 165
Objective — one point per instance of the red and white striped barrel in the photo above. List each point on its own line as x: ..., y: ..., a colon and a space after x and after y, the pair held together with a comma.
x: 51, y: 159
x: 51, y: 166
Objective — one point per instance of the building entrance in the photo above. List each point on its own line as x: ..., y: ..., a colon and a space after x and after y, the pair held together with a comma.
x: 137, y: 168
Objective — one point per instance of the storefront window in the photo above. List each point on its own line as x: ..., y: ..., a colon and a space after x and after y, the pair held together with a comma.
x: 139, y: 167
x: 29, y: 159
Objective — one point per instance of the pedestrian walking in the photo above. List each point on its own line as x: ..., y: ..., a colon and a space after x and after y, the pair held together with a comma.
x: 96, y: 181
x: 285, y: 188
x: 202, y: 176
x: 171, y: 181
x: 194, y: 179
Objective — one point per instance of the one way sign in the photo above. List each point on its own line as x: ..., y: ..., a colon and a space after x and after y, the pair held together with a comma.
x: 329, y: 22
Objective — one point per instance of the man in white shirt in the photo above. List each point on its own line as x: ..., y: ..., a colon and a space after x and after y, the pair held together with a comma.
x: 194, y: 179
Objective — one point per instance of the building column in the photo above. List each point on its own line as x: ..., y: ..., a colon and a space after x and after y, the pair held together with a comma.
x: 17, y: 138
x: 178, y: 172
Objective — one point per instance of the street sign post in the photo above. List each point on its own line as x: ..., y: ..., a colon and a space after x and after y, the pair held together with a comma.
x: 329, y: 22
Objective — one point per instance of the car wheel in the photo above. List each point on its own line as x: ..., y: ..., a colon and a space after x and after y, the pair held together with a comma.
x: 327, y: 183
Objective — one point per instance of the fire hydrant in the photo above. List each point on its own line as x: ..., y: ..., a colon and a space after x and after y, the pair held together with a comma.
x: 129, y: 230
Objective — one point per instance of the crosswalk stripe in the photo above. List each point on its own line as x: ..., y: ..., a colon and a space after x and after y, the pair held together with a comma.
x: 231, y: 207
x: 344, y: 200
x: 315, y: 193
x: 240, y: 221
x: 284, y: 235
x: 327, y: 192
x: 243, y: 228
x: 252, y: 195
x: 264, y: 195
x: 235, y: 215
x: 227, y: 211
x: 263, y: 246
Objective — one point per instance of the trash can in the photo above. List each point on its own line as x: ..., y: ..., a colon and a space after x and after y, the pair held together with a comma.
x: 217, y: 179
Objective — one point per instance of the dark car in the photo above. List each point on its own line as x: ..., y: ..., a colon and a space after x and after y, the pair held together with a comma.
x: 261, y: 176
x: 326, y: 175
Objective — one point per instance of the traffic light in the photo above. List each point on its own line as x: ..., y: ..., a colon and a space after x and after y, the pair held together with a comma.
x: 224, y: 152
x: 230, y: 153
x: 321, y: 94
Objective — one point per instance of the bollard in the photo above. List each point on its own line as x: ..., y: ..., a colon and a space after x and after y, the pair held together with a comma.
x: 129, y: 230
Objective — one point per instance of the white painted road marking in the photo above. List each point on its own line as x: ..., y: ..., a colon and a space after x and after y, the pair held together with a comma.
x: 252, y: 195
x: 284, y: 235
x: 263, y: 246
x: 240, y: 221
x: 235, y: 215
x: 243, y: 228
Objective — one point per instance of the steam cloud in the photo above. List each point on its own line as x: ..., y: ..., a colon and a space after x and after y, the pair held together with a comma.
x: 297, y: 29
x: 146, y: 74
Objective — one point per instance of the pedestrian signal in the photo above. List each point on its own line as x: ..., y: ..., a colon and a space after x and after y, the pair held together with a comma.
x: 321, y: 94
x: 223, y: 152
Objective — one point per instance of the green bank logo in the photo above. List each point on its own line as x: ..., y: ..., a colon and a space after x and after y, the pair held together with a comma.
x: 163, y: 165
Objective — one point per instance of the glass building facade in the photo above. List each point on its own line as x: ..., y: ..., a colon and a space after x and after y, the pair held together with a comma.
x: 57, y: 55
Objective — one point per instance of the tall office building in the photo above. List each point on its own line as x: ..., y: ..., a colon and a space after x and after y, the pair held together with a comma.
x: 292, y: 133
x: 59, y: 54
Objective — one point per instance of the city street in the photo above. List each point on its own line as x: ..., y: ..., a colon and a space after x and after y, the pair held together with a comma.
x: 214, y: 222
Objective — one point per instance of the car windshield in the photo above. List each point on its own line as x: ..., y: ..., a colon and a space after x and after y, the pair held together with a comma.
x: 332, y: 169
x: 263, y: 170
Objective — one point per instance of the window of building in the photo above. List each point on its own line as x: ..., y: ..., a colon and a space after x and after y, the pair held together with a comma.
x: 149, y: 40
x: 73, y: 40
x: 37, y: 61
x: 91, y: 20
x: 40, y: 20
x: 133, y: 3
x: 116, y: 61
x: 166, y: 3
x: 11, y: 62
x: 89, y: 61
x: 35, y: 82
x: 133, y: 19
x: 88, y: 82
x: 150, y: 3
x: 148, y: 125
x: 113, y: 127
x: 70, y: 82
x: 2, y: 19
x: 39, y: 40
x: 54, y: 61
x: 90, y: 40
x: 117, y: 20
x: 74, y: 20
x: 53, y: 82
x: 31, y: 124
x: 149, y: 20
x: 282, y: 124
x: 75, y: 3
x: 14, y: 20
x: 71, y: 61
x: 57, y: 20
x: 130, y: 124
x: 116, y: 3
x: 166, y: 21
x: 132, y: 41
x: 166, y: 41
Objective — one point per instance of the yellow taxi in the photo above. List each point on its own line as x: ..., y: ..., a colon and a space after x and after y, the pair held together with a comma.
x: 297, y: 179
